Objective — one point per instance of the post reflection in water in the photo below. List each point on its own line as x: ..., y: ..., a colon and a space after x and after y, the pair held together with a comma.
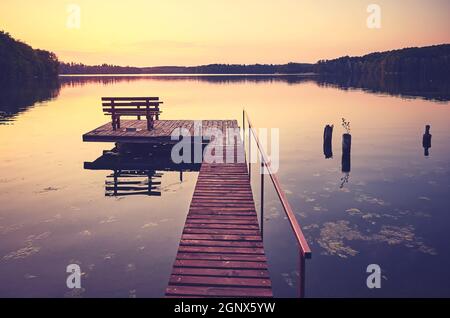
x: 426, y: 140
x: 346, y: 158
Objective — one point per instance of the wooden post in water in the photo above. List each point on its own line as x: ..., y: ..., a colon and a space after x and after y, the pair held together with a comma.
x: 346, y: 152
x: 327, y: 141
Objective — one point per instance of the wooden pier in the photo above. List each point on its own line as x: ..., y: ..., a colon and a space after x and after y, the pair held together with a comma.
x: 221, y: 251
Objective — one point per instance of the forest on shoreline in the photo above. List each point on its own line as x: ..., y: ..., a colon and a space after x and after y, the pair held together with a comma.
x: 425, y: 62
x: 20, y: 62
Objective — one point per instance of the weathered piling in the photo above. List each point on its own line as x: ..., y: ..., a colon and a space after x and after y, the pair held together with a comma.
x: 327, y: 141
x: 346, y: 152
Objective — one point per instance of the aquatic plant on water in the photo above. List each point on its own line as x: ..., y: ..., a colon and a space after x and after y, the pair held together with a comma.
x: 346, y: 125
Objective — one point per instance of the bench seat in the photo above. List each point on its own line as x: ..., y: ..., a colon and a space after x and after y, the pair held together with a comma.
x: 116, y: 107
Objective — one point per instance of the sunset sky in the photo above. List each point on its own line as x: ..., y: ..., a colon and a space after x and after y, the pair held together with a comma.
x: 180, y: 32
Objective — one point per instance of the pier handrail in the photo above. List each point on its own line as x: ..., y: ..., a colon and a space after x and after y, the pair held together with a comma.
x: 301, y: 240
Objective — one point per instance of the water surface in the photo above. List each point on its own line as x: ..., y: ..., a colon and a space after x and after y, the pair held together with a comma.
x: 390, y: 208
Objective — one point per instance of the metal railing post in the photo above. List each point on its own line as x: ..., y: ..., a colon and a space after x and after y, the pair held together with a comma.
x: 243, y: 129
x: 301, y: 276
x: 262, y: 198
x: 249, y: 151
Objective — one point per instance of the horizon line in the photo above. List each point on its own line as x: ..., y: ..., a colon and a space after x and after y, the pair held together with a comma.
x: 244, y: 64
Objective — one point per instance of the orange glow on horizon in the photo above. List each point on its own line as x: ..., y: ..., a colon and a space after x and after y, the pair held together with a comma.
x: 177, y: 32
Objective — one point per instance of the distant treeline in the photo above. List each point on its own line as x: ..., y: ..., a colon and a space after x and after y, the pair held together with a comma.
x: 19, y: 62
x: 290, y: 68
x: 424, y: 62
x: 79, y: 68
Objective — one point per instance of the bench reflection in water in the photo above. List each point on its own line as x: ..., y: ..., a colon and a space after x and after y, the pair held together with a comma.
x: 137, y: 169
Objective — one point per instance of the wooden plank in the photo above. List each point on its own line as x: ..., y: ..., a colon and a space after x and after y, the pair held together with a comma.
x: 210, y: 243
x: 142, y: 104
x: 214, y: 221
x: 240, y: 232
x: 223, y: 257
x: 212, y: 212
x: 218, y: 281
x: 222, y: 217
x: 222, y: 203
x: 218, y: 237
x: 132, y: 111
x: 129, y: 98
x: 204, y: 291
x: 222, y: 195
x: 221, y: 272
x: 221, y: 249
x: 222, y: 226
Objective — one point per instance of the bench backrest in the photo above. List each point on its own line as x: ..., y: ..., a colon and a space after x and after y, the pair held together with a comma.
x: 122, y: 103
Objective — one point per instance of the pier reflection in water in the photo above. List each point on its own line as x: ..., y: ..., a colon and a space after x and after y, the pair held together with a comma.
x: 137, y: 169
x: 133, y: 182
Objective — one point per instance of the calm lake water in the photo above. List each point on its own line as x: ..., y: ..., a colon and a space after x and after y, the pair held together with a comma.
x: 390, y: 209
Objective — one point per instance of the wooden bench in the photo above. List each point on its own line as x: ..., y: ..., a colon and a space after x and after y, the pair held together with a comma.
x: 117, y: 107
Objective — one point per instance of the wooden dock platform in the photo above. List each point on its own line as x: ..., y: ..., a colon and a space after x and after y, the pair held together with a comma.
x: 221, y: 251
x: 161, y: 133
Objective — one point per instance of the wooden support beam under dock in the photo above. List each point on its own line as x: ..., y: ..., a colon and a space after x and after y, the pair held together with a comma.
x: 221, y: 251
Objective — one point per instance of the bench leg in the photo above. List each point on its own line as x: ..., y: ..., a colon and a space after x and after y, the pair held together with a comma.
x: 118, y: 122
x: 149, y: 122
x: 113, y: 122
